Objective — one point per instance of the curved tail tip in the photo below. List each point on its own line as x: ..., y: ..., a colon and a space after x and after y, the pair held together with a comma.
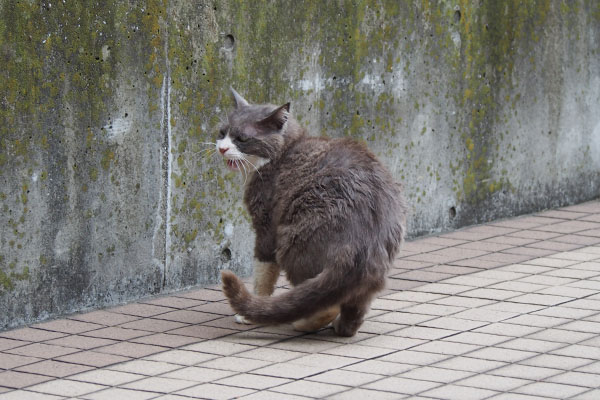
x: 231, y: 284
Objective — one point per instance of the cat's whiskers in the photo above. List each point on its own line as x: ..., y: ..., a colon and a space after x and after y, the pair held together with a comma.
x: 244, y: 169
x: 253, y: 166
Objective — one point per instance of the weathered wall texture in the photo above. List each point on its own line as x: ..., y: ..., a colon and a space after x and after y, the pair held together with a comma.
x: 482, y: 109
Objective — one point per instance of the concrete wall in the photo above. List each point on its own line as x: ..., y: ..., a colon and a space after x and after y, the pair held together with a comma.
x: 482, y: 109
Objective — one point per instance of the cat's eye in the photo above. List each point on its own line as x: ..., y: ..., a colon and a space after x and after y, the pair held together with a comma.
x: 222, y: 133
x: 242, y: 138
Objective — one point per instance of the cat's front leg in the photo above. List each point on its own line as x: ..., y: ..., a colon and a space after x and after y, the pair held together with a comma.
x: 265, y: 277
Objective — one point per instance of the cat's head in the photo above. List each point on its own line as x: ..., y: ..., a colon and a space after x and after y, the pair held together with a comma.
x: 253, y: 135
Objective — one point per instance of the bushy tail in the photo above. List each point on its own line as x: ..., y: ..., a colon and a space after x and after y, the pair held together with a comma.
x: 322, y: 291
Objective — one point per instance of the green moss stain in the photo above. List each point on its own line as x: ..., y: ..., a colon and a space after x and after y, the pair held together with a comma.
x: 491, y: 34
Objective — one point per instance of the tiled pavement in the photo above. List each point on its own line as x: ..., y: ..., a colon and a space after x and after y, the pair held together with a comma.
x: 506, y: 310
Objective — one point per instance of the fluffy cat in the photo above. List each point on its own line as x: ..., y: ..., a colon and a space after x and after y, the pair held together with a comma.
x: 325, y: 211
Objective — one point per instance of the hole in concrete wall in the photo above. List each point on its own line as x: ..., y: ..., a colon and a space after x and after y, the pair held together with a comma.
x: 228, y: 42
x: 452, y: 212
x: 226, y: 254
x: 457, y: 16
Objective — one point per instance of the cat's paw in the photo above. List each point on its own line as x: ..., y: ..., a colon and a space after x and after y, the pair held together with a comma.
x: 240, y: 319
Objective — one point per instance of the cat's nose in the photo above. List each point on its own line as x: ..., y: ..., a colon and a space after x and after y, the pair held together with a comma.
x: 223, y: 150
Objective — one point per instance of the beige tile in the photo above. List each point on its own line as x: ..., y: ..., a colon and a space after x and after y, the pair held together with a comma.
x: 362, y: 394
x: 141, y: 310
x: 116, y: 333
x: 10, y: 361
x: 359, y: 351
x: 252, y: 381
x: 316, y: 389
x: 392, y: 342
x: 103, y: 317
x: 42, y: 350
x: 68, y: 326
x: 402, y: 385
x: 289, y: 370
x: 271, y: 354
x: 119, y: 394
x: 54, y: 368
x: 31, y: 334
x: 459, y: 392
x: 106, y: 377
x: 27, y: 395
x: 6, y: 344
x: 80, y: 342
x: 18, y: 380
x: 526, y: 372
x: 556, y: 361
x: 181, y: 357
x: 576, y: 378
x: 325, y: 360
x: 165, y: 340
x: 345, y: 377
x: 133, y: 350
x: 504, y: 355
x: 68, y: 388
x: 145, y: 367
x: 215, y: 392
x: 493, y: 382
x: 198, y: 374
x: 435, y: 374
x: 414, y: 357
x: 92, y: 358
x: 237, y: 364
x: 380, y: 367
x: 153, y: 325
x: 159, y: 384
x: 469, y: 364
x: 219, y: 347
x: 446, y: 348
x: 551, y: 390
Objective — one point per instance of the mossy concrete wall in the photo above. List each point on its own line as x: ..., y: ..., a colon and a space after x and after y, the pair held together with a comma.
x: 482, y: 110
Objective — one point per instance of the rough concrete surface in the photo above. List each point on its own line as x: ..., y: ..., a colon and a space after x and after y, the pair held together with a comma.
x: 481, y: 109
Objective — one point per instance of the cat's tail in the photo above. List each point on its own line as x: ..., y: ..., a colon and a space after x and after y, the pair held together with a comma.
x: 324, y: 290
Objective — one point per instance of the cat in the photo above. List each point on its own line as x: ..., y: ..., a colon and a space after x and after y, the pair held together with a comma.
x: 325, y: 211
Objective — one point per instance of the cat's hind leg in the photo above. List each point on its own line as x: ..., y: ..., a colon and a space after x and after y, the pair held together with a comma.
x: 352, y: 315
x: 265, y: 277
x: 317, y: 320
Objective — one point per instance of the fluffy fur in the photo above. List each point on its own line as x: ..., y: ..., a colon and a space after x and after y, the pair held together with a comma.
x: 325, y: 211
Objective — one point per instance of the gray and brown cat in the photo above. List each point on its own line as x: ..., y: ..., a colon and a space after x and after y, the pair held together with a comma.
x: 325, y: 211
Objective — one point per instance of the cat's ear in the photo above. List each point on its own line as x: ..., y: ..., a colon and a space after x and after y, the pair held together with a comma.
x: 239, y: 100
x: 277, y: 118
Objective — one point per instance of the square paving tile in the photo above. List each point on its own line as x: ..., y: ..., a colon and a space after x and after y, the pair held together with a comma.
x: 215, y: 392
x: 106, y: 377
x: 551, y: 390
x: 10, y: 361
x: 42, y: 350
x: 31, y: 334
x: 198, y: 374
x: 92, y: 358
x: 80, y: 342
x: 159, y: 384
x: 402, y: 385
x: 68, y: 388
x: 252, y: 381
x: 18, y: 380
x: 316, y: 389
x: 56, y: 369
x: 102, y: 317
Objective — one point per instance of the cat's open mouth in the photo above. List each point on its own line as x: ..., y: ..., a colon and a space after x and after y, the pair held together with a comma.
x: 233, y: 165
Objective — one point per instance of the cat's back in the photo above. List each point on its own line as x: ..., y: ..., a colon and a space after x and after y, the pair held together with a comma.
x: 339, y: 174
